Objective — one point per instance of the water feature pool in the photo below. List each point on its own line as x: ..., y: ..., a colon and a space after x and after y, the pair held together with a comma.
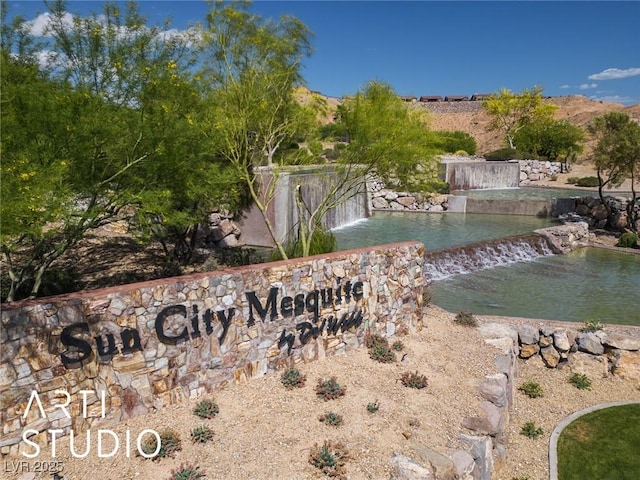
x: 434, y: 230
x: 589, y: 283
x: 533, y: 193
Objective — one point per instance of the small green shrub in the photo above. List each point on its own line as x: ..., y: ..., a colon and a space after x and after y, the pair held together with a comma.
x: 373, y: 407
x: 427, y: 295
x: 587, y: 182
x: 329, y: 389
x: 580, y: 381
x: 591, y: 325
x: 292, y: 378
x: 531, y: 389
x: 187, y: 472
x: 530, y: 430
x: 321, y: 242
x: 466, y: 319
x: 553, y: 178
x: 503, y: 154
x: 170, y: 443
x: 397, y: 345
x: 206, y: 409
x: 330, y: 458
x: 628, y: 240
x: 331, y: 418
x: 572, y: 180
x: 201, y: 434
x: 373, y: 340
x: 382, y: 354
x: 413, y: 380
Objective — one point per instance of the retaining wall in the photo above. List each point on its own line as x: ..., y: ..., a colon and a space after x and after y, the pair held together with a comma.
x: 139, y: 347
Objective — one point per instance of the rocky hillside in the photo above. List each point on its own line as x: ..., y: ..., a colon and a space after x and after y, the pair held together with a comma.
x: 469, y: 117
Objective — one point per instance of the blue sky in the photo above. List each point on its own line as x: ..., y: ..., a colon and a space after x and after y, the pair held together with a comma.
x: 449, y: 47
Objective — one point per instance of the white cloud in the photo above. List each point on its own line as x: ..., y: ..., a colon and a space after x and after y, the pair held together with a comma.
x: 615, y: 99
x: 615, y: 74
x: 565, y: 86
x: 39, y: 25
x: 587, y: 86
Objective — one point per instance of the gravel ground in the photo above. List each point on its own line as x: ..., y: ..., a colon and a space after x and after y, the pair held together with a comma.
x: 264, y: 431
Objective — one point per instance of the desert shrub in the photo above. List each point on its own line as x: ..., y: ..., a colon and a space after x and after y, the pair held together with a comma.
x: 330, y: 458
x: 427, y: 295
x: 372, y: 340
x: 321, y: 242
x: 503, y: 154
x: 201, y: 434
x: 382, y: 354
x: 331, y: 418
x: 587, y: 182
x: 373, y: 407
x: 466, y: 319
x: 329, y: 389
x: 187, y: 472
x: 456, y: 141
x: 206, y: 409
x: 628, y: 240
x: 580, y: 381
x: 591, y: 325
x: 434, y: 186
x: 169, y: 444
x: 397, y: 345
x: 531, y: 389
x: 292, y: 378
x: 572, y: 180
x: 530, y: 430
x: 413, y: 380
x: 553, y: 177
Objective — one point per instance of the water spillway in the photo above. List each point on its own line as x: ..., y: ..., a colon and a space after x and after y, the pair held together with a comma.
x: 447, y: 262
x: 482, y: 175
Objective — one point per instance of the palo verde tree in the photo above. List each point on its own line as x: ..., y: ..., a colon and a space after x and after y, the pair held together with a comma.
x: 617, y: 156
x: 80, y: 132
x: 510, y: 112
x: 252, y: 66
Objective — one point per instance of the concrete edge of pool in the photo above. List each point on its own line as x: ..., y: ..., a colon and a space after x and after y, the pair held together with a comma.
x: 555, y: 435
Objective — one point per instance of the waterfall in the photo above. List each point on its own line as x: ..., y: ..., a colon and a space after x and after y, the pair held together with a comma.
x: 447, y: 262
x: 482, y: 175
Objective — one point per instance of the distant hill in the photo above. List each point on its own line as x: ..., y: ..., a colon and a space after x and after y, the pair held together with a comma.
x: 469, y: 117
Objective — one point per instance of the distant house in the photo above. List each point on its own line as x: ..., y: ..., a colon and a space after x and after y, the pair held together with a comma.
x: 430, y: 98
x: 479, y: 96
x: 409, y: 98
x: 456, y: 98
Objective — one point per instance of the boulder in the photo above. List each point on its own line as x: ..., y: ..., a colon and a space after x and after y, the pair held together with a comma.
x: 463, y: 463
x: 589, y: 365
x: 550, y: 356
x: 545, y: 341
x: 528, y: 334
x: 488, y: 422
x: 405, y: 468
x: 527, y: 351
x: 493, y: 389
x: 621, y: 342
x: 379, y: 202
x: 561, y: 340
x: 588, y: 342
x: 498, y: 330
x: 628, y: 365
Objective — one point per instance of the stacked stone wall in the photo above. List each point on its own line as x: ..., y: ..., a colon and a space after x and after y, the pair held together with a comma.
x: 139, y: 347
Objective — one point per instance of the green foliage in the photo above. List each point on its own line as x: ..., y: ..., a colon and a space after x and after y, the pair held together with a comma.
x: 170, y: 443
x: 334, y: 131
x: 201, y: 434
x: 331, y: 418
x: 292, y: 378
x: 397, y: 345
x: 580, y: 381
x: 583, y: 181
x: 507, y: 153
x: 512, y: 112
x: 373, y: 407
x: 531, y: 389
x: 322, y: 241
x: 628, y: 240
x: 330, y: 458
x: 329, y: 389
x: 382, y: 354
x: 550, y: 139
x: 465, y: 319
x: 427, y: 295
x: 591, y: 325
x: 454, y: 142
x: 373, y: 340
x: 389, y: 136
x: 206, y: 409
x: 187, y: 472
x: 413, y: 380
x: 530, y: 430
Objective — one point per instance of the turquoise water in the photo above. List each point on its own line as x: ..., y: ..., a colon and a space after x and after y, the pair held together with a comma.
x: 435, y: 230
x: 531, y: 193
x: 590, y: 283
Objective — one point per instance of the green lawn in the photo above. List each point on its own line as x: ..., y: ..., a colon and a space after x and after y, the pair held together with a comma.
x: 601, y: 445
